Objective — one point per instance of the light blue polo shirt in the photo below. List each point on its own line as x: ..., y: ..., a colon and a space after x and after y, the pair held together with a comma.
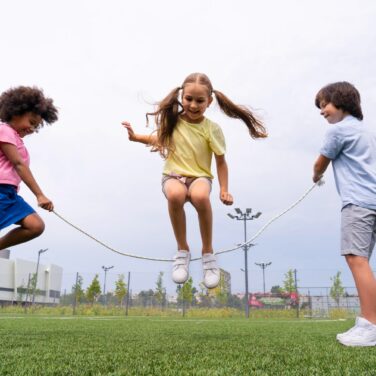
x: 351, y: 145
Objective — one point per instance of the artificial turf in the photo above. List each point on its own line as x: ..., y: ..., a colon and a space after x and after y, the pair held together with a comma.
x: 165, y: 346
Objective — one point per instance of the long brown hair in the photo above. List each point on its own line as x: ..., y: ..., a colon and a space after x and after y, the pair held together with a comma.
x: 169, y: 109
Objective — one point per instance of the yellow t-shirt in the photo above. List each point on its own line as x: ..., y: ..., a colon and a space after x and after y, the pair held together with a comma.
x: 194, y: 147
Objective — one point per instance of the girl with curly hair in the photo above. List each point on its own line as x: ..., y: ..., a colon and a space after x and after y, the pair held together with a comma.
x: 187, y: 140
x: 23, y: 110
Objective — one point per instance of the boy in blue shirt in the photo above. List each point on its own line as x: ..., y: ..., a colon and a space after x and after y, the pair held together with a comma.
x: 351, y: 147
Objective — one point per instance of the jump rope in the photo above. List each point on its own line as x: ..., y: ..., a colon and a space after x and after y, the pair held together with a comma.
x: 262, y: 229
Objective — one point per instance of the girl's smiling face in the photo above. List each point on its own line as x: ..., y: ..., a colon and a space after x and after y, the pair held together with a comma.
x: 25, y: 124
x: 195, y: 101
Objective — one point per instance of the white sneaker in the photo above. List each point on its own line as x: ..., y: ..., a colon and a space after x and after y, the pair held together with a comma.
x: 180, y: 267
x: 211, y: 270
x: 340, y: 335
x: 363, y: 334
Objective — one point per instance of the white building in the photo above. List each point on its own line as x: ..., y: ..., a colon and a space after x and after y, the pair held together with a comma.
x: 16, y: 275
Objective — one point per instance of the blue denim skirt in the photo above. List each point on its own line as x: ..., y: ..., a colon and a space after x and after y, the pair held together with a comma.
x: 13, y: 208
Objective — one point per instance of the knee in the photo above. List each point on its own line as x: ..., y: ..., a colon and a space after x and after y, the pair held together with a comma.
x: 200, y: 201
x: 354, y: 261
x: 36, y: 227
x: 176, y: 199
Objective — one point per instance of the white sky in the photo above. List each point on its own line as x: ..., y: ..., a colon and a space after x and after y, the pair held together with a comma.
x: 103, y: 62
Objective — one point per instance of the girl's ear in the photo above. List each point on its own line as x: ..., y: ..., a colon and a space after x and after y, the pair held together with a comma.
x: 210, y: 100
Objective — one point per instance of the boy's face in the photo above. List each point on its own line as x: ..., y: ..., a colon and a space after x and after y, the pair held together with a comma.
x: 331, y: 113
x: 25, y: 124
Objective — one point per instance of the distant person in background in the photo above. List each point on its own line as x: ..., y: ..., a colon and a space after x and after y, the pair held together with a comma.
x: 350, y: 145
x: 187, y: 140
x: 23, y: 110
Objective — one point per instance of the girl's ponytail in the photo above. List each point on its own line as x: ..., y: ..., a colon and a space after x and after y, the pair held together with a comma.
x: 166, y: 118
x: 255, y: 126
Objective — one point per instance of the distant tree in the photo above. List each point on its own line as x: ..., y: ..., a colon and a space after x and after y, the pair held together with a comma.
x: 194, y: 294
x: 120, y: 289
x: 78, y: 291
x: 276, y: 289
x: 160, y: 294
x: 221, y: 294
x: 185, y: 293
x: 23, y: 292
x: 204, y: 298
x: 234, y: 301
x: 93, y: 292
x: 337, y: 290
x: 33, y: 284
x: 289, y: 282
x: 146, y: 298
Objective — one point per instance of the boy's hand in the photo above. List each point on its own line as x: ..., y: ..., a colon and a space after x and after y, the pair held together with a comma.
x: 316, y: 178
x: 128, y: 127
x: 226, y: 198
x: 45, y: 203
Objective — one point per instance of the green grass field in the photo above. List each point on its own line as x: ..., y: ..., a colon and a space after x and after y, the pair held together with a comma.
x: 169, y: 346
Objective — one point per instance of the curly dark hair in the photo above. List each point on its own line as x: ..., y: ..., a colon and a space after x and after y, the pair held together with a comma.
x: 342, y: 95
x: 23, y: 99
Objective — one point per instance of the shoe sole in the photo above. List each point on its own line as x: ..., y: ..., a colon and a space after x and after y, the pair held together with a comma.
x: 211, y: 287
x: 357, y: 344
x: 180, y: 282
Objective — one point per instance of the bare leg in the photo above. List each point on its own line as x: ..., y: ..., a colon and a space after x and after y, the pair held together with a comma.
x: 366, y: 285
x: 199, y: 194
x: 30, y: 227
x: 176, y: 194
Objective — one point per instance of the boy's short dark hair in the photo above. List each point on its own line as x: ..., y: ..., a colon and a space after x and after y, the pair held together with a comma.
x: 342, y: 95
x: 23, y: 99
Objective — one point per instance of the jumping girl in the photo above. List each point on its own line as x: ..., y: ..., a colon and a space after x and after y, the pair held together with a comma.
x: 187, y: 140
x: 23, y: 110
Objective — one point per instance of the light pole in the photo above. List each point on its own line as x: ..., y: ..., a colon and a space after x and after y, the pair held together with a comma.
x: 246, y: 216
x: 263, y: 266
x: 36, y: 274
x: 104, y: 284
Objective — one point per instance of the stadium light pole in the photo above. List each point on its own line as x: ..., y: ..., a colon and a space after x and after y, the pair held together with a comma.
x: 106, y: 269
x: 263, y: 266
x: 36, y: 274
x: 245, y: 216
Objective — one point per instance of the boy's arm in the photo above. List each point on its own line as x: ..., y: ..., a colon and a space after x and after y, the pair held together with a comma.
x: 320, y: 167
x: 222, y: 172
x: 142, y: 138
x: 25, y: 174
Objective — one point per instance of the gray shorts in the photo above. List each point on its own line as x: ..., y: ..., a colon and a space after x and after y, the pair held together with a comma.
x: 187, y: 181
x: 358, y: 231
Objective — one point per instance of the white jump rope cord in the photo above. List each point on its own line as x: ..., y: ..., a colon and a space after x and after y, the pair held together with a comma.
x: 263, y: 228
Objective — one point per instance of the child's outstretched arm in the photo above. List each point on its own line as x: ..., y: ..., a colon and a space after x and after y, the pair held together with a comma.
x: 142, y: 138
x: 222, y: 171
x: 320, y: 167
x: 25, y: 174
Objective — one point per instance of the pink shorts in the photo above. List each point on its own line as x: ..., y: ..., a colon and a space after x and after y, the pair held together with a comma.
x: 186, y: 180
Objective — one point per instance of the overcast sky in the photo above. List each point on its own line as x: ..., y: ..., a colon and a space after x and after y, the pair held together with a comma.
x: 104, y: 62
